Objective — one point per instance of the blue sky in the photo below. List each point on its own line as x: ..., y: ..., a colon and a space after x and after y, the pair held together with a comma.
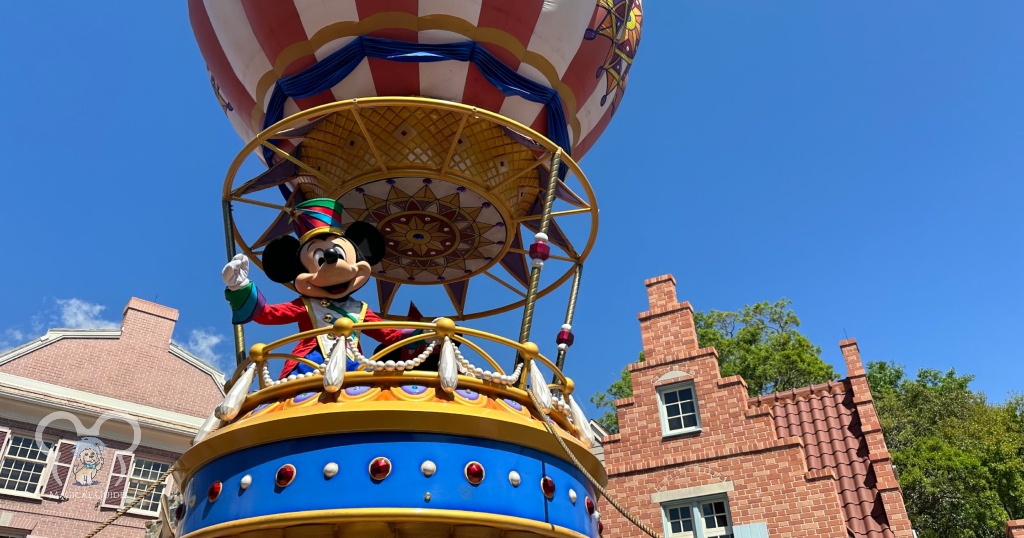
x: 862, y: 159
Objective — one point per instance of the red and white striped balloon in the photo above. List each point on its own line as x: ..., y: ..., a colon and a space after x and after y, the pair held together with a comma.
x: 580, y: 48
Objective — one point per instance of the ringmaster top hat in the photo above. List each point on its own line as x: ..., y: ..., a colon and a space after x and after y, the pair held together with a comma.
x: 316, y: 216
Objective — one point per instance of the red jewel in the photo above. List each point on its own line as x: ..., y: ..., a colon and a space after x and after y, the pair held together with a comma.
x: 547, y: 485
x: 213, y: 492
x: 474, y: 473
x: 540, y: 251
x: 285, y: 475
x: 564, y: 337
x: 600, y: 527
x: 380, y: 468
x: 590, y: 506
x: 179, y: 512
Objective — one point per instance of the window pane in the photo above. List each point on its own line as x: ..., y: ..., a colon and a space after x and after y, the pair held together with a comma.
x: 679, y: 519
x: 687, y: 407
x: 719, y: 507
x: 144, y: 474
x: 690, y: 421
x: 675, y: 424
x: 671, y: 397
x: 672, y: 411
x: 685, y: 394
x: 720, y: 520
x: 23, y: 465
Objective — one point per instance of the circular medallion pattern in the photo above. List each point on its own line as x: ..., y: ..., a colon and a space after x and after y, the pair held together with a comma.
x: 434, y: 230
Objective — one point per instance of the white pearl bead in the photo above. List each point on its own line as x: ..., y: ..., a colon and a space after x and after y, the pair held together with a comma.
x: 566, y: 327
x: 541, y: 236
x: 563, y: 347
x: 479, y: 372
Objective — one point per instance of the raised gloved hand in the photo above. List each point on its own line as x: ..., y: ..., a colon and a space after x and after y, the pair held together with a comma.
x: 236, y: 273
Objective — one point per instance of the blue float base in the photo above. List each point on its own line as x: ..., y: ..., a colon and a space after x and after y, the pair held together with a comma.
x: 405, y: 488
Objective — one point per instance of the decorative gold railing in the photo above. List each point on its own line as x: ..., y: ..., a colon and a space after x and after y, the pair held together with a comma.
x: 454, y: 370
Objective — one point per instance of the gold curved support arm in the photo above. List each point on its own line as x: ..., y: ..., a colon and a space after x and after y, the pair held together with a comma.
x: 486, y: 356
x: 400, y: 344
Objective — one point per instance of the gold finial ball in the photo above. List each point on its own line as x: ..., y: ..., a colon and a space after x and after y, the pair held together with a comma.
x: 530, y: 350
x: 257, y: 351
x: 570, y: 386
x: 343, y: 326
x: 445, y: 327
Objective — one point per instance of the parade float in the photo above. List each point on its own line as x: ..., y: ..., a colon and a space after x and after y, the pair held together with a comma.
x: 404, y: 143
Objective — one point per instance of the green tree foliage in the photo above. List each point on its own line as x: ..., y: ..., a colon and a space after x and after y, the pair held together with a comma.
x: 960, y: 459
x: 761, y: 343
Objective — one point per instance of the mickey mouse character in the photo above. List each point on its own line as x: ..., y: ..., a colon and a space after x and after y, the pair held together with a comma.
x: 326, y: 265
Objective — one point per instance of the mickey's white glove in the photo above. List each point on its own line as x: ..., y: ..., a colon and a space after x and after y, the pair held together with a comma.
x: 236, y: 273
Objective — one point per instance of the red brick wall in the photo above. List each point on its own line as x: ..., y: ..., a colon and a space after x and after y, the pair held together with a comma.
x: 1015, y: 528
x: 80, y: 513
x: 137, y: 367
x: 769, y: 475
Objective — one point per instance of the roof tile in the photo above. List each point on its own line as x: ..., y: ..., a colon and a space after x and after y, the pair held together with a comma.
x: 825, y: 417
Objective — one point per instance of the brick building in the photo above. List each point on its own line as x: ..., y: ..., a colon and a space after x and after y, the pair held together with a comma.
x: 60, y: 488
x: 697, y: 457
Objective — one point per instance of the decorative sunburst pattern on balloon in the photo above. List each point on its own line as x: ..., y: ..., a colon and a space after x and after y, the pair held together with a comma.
x: 619, y: 21
x: 434, y: 230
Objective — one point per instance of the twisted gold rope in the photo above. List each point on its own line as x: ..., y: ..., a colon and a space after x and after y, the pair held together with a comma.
x: 122, y: 511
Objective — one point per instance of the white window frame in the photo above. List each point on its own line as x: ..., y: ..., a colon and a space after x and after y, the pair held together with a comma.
x: 44, y: 474
x: 127, y: 498
x: 696, y: 506
x: 666, y: 431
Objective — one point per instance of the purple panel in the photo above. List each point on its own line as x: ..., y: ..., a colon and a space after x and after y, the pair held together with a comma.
x: 522, y: 139
x: 457, y: 291
x: 555, y: 235
x: 281, y: 226
x: 278, y: 174
x: 515, y: 263
x: 562, y: 191
x: 385, y: 294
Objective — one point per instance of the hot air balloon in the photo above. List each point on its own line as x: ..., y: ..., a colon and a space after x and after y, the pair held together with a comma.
x: 558, y: 66
x: 452, y: 128
x: 452, y: 188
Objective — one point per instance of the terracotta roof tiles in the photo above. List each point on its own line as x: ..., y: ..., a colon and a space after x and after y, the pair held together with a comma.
x: 825, y: 418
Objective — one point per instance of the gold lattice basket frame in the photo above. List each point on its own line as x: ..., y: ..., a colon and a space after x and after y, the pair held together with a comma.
x: 364, y: 140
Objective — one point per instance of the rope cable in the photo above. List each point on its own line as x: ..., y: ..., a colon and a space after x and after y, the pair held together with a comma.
x: 604, y: 493
x: 122, y: 511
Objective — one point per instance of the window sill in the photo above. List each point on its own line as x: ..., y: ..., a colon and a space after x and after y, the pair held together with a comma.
x: 20, y: 495
x: 680, y: 433
x: 143, y: 513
